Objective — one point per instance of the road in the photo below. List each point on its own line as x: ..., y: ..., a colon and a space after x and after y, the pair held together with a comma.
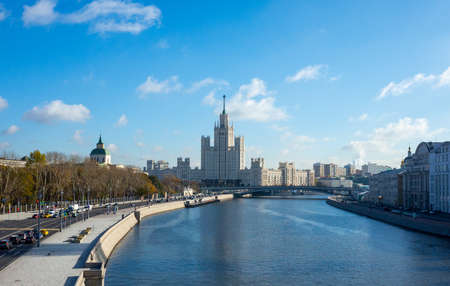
x: 10, y: 227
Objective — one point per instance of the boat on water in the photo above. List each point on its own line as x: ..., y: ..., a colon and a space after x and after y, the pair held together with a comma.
x: 200, y: 202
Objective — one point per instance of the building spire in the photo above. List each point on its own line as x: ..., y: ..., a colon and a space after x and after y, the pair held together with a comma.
x: 223, y: 112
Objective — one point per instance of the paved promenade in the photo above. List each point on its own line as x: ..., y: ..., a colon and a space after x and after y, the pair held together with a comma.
x: 57, y: 261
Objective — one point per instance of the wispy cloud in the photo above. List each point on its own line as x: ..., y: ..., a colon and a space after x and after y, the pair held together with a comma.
x: 407, y: 85
x: 384, y: 142
x: 306, y: 73
x: 123, y: 121
x: 58, y: 111
x: 3, y: 103
x: 3, y: 12
x: 103, y: 16
x: 163, y: 44
x: 11, y: 130
x: 157, y: 148
x: 152, y: 85
x: 112, y: 147
x: 77, y: 136
x: 4, y: 145
x: 206, y: 82
x: 361, y: 117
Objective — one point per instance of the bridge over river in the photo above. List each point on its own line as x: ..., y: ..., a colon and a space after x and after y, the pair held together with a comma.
x: 274, y: 191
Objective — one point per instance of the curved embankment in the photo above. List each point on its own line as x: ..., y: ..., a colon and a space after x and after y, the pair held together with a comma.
x: 418, y: 224
x: 105, y: 245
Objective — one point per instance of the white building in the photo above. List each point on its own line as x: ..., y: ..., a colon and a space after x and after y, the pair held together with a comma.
x: 100, y: 155
x: 372, y: 169
x: 222, y: 162
x: 439, y: 178
x: 334, y: 183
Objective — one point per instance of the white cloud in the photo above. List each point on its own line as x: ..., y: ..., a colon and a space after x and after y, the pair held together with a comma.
x: 102, y: 15
x: 362, y: 117
x: 112, y: 147
x: 163, y: 44
x: 158, y: 148
x: 3, y: 103
x: 252, y: 102
x: 58, y: 110
x: 3, y: 12
x: 407, y: 85
x: 140, y: 144
x: 384, y: 142
x: 41, y: 13
x: 152, y: 85
x: 77, y: 136
x: 123, y: 121
x: 206, y: 82
x: 4, y: 145
x: 444, y: 78
x: 307, y: 73
x: 11, y: 130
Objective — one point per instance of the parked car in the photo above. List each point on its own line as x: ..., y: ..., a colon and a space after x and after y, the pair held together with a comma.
x: 4, y: 244
x: 13, y: 239
x: 22, y: 237
x: 30, y: 239
x: 35, y: 216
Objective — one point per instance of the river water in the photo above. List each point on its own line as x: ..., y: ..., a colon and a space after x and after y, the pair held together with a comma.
x: 275, y: 242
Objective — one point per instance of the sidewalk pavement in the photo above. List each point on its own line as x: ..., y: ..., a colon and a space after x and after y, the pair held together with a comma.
x: 58, y: 261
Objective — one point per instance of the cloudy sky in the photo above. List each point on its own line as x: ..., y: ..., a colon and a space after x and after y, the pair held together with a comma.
x: 307, y: 81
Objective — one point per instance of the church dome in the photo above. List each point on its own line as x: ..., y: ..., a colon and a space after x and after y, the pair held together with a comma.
x: 99, y: 151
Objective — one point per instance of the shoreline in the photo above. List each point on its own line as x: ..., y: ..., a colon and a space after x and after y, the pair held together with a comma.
x: 98, y: 256
x: 418, y: 224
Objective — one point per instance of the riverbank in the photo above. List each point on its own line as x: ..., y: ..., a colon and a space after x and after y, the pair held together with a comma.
x: 102, y: 250
x: 420, y: 224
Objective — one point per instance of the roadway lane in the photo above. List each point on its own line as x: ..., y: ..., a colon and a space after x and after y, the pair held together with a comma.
x: 10, y: 227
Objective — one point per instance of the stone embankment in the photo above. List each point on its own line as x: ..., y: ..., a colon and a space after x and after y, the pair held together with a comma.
x: 98, y: 256
x: 425, y: 225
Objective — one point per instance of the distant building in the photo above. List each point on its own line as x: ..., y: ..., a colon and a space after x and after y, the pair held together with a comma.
x: 222, y: 161
x: 416, y: 182
x: 100, y: 155
x: 13, y: 162
x: 319, y: 170
x: 334, y: 182
x: 370, y: 169
x: 349, y: 170
x: 386, y: 188
x: 439, y: 196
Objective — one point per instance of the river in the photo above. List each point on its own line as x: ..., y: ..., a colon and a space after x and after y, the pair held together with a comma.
x: 275, y: 242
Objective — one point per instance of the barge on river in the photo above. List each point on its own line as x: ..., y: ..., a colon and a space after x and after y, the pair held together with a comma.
x: 200, y: 202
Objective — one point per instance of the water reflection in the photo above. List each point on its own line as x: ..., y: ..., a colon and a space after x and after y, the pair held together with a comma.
x: 276, y: 242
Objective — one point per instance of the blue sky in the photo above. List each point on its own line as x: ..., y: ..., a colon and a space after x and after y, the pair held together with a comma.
x: 307, y: 81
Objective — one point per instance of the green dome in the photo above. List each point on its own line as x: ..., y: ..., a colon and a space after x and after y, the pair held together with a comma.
x: 99, y: 151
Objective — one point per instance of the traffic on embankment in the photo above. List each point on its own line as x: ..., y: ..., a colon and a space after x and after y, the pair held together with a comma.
x: 102, y: 250
x: 411, y: 221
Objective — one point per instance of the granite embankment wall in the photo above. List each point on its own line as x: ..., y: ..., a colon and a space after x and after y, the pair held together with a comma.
x: 418, y: 224
x: 105, y: 245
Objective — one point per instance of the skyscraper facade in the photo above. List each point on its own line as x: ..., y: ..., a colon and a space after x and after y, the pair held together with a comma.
x: 221, y: 162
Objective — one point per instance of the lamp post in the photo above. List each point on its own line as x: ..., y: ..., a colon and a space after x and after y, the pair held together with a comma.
x: 39, y: 219
x: 60, y: 212
x: 88, y: 205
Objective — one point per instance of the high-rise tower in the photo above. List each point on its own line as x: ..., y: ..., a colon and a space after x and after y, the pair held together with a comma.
x: 221, y: 162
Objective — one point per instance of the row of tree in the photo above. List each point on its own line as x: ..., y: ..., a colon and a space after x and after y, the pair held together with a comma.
x: 47, y: 175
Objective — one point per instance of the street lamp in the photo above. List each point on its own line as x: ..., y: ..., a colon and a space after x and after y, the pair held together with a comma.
x: 60, y: 212
x: 39, y: 218
x: 89, y: 206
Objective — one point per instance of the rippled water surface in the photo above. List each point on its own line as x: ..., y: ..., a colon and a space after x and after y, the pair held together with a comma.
x: 275, y: 242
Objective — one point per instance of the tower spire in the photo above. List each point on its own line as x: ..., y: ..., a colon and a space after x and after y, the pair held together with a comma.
x: 223, y: 112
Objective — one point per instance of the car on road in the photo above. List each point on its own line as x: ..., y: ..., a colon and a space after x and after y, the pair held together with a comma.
x: 14, y: 239
x: 4, y: 244
x: 30, y: 239
x: 35, y: 216
x: 47, y: 215
x: 22, y: 237
x: 44, y: 232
